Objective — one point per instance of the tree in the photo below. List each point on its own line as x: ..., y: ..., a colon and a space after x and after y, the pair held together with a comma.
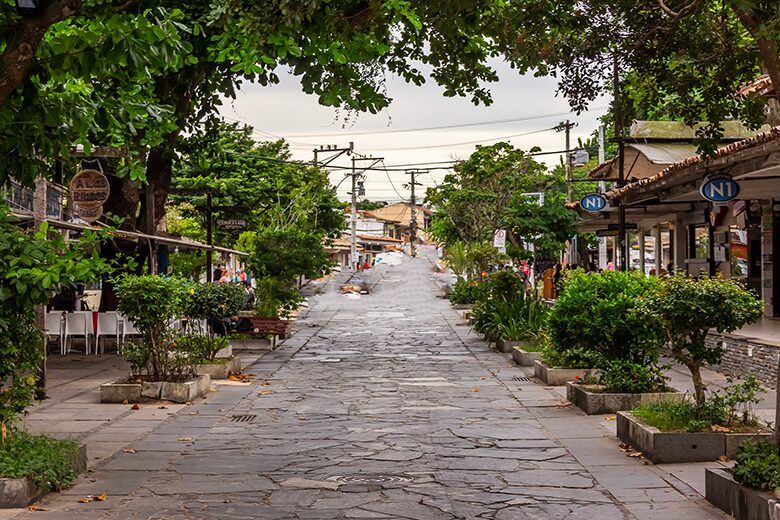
x: 690, y: 308
x: 33, y: 267
x: 687, y: 56
x: 258, y: 182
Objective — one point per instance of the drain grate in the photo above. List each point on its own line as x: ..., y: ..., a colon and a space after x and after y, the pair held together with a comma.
x: 381, y: 480
x: 243, y: 418
x: 520, y: 378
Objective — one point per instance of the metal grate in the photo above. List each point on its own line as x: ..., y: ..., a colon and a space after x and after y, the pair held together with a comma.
x: 520, y: 378
x: 243, y: 418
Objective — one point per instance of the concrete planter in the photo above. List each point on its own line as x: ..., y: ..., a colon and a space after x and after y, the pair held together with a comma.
x: 226, y: 352
x: 741, y: 502
x: 463, y: 306
x: 506, y: 345
x: 524, y: 358
x: 21, y: 492
x: 559, y: 376
x: 176, y: 392
x: 595, y: 403
x: 220, y: 370
x: 663, y: 447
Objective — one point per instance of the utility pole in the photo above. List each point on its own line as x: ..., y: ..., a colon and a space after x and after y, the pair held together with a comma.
x: 566, y: 127
x: 353, y: 221
x: 209, y: 237
x: 332, y: 149
x: 413, y: 221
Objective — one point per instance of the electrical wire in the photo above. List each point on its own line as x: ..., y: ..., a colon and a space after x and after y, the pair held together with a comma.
x: 387, y: 173
x: 442, y: 127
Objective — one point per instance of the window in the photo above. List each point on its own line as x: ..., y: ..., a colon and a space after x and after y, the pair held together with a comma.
x: 700, y: 242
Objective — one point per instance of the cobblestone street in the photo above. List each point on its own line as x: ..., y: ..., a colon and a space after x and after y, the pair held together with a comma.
x: 383, y: 406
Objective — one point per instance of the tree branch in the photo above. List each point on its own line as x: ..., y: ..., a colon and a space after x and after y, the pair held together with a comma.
x: 685, y: 11
x: 18, y: 57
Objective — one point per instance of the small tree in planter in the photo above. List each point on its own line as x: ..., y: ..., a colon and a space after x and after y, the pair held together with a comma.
x: 151, y: 302
x: 599, y: 319
x: 209, y: 301
x: 690, y: 308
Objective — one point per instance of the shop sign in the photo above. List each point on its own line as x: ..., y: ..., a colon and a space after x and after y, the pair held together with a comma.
x: 627, y: 225
x: 719, y: 189
x: 89, y: 189
x: 606, y: 232
x: 89, y: 214
x: 231, y: 224
x: 593, y: 202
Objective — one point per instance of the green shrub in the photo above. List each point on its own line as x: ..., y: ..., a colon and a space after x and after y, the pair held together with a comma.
x: 151, y: 302
x: 569, y: 358
x: 505, y: 285
x: 207, y: 301
x: 627, y: 377
x: 684, y: 415
x: 466, y: 292
x: 758, y: 465
x: 600, y: 317
x: 519, y: 318
x: 46, y: 461
x: 689, y: 308
x: 201, y: 348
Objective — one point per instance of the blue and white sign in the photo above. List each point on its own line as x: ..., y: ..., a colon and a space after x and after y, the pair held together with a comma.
x: 593, y: 202
x: 719, y: 189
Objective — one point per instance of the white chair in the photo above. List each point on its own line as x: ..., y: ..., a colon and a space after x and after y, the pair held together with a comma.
x: 126, y: 327
x: 76, y: 325
x: 53, y: 326
x: 107, y: 325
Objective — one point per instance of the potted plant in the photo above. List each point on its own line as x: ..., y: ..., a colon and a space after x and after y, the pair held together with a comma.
x: 688, y: 309
x: 160, y: 368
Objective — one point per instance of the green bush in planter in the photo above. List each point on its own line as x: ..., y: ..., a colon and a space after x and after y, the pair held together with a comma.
x: 151, y: 302
x: 758, y: 465
x: 466, y: 292
x: 689, y: 308
x: 210, y: 301
x: 600, y: 318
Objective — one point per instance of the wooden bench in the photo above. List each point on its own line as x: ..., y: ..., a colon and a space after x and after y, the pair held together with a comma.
x: 276, y: 327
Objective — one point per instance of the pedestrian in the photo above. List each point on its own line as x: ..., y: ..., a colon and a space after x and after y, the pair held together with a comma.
x: 366, y: 265
x: 249, y: 297
x: 217, y: 274
x: 556, y: 278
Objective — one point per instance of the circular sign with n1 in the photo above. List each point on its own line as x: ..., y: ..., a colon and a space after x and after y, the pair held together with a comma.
x: 719, y: 189
x: 593, y: 202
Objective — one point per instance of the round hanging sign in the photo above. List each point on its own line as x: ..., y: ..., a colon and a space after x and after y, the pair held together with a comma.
x: 593, y: 202
x: 89, y: 189
x: 88, y: 214
x: 719, y: 189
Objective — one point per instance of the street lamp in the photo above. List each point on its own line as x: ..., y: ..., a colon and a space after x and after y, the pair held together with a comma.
x: 28, y: 7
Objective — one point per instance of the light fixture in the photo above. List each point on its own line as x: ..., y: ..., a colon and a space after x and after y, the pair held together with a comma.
x: 28, y: 7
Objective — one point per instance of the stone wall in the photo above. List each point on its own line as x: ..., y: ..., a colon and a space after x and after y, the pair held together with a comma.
x: 747, y: 356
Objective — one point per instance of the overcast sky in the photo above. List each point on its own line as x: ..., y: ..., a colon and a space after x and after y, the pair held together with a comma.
x: 285, y: 111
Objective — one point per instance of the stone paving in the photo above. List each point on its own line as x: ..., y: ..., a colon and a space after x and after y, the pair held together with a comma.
x: 382, y: 406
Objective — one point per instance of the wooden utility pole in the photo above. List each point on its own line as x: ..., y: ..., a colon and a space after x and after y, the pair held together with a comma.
x: 355, y: 174
x: 413, y: 221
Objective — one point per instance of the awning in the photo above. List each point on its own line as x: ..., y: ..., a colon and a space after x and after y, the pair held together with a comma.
x: 183, y: 242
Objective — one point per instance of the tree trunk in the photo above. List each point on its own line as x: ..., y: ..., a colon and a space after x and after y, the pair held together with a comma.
x: 18, y: 57
x: 698, y: 383
x: 769, y: 54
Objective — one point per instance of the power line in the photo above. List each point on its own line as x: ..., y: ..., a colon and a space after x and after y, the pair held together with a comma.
x: 387, y: 173
x: 447, y: 145
x: 441, y: 127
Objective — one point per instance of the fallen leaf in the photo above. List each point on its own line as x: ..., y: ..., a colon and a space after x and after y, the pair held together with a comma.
x: 101, y: 497
x: 723, y: 458
x: 301, y: 418
x: 85, y: 500
x: 475, y: 389
x: 129, y: 450
x: 610, y: 418
x: 232, y: 377
x: 125, y: 402
x: 184, y: 438
x: 36, y: 508
x: 635, y: 454
x: 265, y: 384
x: 163, y: 407
x: 265, y: 392
x: 135, y: 407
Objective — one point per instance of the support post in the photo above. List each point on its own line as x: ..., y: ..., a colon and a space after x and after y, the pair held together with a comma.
x: 209, y: 237
x: 413, y: 222
x: 353, y: 219
x: 39, y: 215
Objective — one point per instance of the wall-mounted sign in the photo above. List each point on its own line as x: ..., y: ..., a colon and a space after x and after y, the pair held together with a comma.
x: 719, y: 189
x: 593, y: 202
x: 89, y: 189
x: 606, y: 232
x: 231, y: 224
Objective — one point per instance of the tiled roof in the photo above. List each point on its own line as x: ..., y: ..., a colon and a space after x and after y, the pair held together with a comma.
x: 760, y: 87
x: 762, y: 138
